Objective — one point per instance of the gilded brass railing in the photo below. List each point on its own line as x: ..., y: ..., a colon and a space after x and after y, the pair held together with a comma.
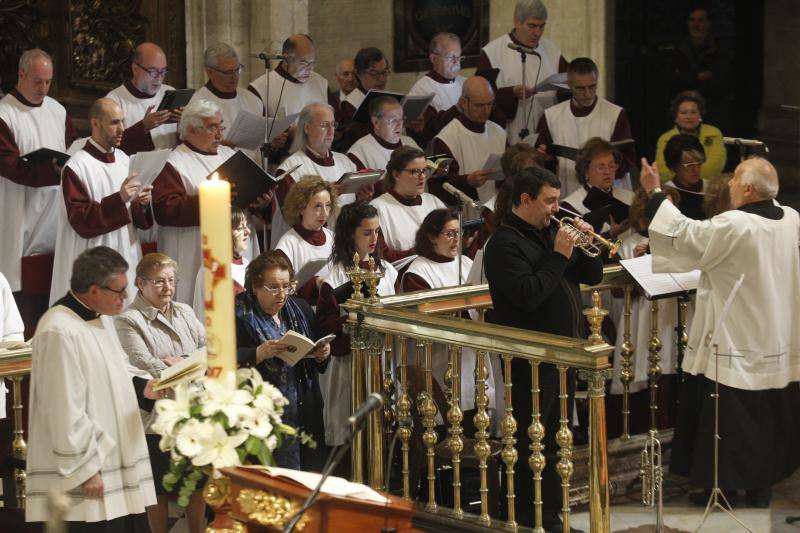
x: 15, y: 367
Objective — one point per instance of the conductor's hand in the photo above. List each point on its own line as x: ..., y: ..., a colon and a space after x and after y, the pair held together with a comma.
x: 322, y: 353
x: 521, y: 91
x: 479, y: 177
x: 649, y: 177
x: 564, y: 243
x: 129, y: 188
x: 269, y: 349
x: 153, y: 119
x: 93, y: 487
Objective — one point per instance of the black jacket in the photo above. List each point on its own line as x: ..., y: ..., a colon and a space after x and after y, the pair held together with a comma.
x: 534, y: 287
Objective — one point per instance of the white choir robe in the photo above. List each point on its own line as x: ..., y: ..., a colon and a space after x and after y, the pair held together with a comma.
x: 11, y: 329
x: 446, y: 92
x: 641, y: 329
x: 508, y: 61
x: 230, y: 104
x: 439, y: 275
x: 370, y: 151
x: 335, y: 383
x: 134, y: 104
x: 287, y: 96
x: 399, y: 222
x: 568, y: 130
x: 330, y: 169
x: 177, y: 211
x: 28, y: 203
x: 300, y: 252
x: 92, y: 213
x: 470, y: 149
x: 759, y: 338
x: 84, y: 418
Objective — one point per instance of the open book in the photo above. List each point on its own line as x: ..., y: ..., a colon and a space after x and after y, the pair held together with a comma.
x: 175, y: 99
x: 248, y: 180
x: 191, y: 368
x: 46, y: 154
x: 335, y: 486
x: 439, y: 163
x: 660, y: 285
x: 350, y: 182
x: 300, y: 346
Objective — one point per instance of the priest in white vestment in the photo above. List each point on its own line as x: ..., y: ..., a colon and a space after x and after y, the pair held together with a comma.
x: 175, y: 191
x: 146, y: 128
x: 469, y: 139
x: 585, y: 115
x: 530, y: 18
x: 86, y: 439
x: 748, y: 258
x: 374, y: 149
x: 102, y: 203
x: 224, y: 69
x: 29, y: 120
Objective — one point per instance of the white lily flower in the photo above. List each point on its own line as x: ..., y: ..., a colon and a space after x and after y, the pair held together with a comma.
x: 219, y: 449
x: 223, y: 396
x: 193, y: 436
x: 259, y: 426
x: 171, y: 411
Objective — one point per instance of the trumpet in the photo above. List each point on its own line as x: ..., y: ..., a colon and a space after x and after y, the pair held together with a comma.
x: 589, y: 242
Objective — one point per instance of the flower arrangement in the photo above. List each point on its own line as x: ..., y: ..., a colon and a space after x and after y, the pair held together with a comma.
x: 212, y: 424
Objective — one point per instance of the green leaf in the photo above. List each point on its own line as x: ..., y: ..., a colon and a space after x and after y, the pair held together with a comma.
x: 253, y: 445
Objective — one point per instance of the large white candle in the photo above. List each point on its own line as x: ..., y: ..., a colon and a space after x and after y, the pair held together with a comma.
x: 217, y: 250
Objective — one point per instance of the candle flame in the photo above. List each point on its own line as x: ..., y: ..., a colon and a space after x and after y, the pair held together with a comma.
x: 215, y: 176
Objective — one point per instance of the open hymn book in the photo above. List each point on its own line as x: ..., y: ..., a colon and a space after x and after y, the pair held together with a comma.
x: 300, y: 346
x: 660, y: 285
x: 191, y: 368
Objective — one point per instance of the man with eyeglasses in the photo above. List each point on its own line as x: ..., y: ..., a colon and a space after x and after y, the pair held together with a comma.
x: 530, y: 19
x: 29, y: 193
x: 224, y: 69
x: 86, y: 434
x: 469, y: 139
x: 175, y: 190
x: 374, y: 149
x: 102, y: 203
x: 146, y: 128
x: 584, y: 116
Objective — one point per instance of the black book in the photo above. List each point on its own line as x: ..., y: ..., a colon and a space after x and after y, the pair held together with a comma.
x: 248, y: 180
x: 490, y: 74
x: 597, y: 198
x: 175, y: 99
x: 46, y: 154
x: 567, y: 152
x: 362, y: 113
x: 598, y: 217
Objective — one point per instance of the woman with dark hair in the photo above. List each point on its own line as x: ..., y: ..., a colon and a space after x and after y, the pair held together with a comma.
x: 265, y: 311
x: 406, y: 203
x: 435, y: 267
x: 357, y: 231
x: 687, y: 110
x: 684, y: 155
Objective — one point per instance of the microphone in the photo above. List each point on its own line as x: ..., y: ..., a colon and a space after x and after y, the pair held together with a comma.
x: 754, y: 143
x: 524, y: 49
x: 265, y: 56
x: 461, y: 195
x: 374, y: 401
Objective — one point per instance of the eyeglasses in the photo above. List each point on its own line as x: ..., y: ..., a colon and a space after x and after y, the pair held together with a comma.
x: 324, y: 126
x: 233, y: 72
x: 394, y: 121
x: 123, y: 292
x: 379, y: 73
x: 214, y: 128
x: 450, y: 234
x: 287, y: 289
x: 160, y: 283
x: 153, y: 72
x: 452, y: 58
x: 417, y: 172
x: 691, y: 164
x: 603, y: 167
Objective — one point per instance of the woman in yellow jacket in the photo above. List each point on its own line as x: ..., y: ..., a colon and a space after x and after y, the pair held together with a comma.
x: 687, y: 111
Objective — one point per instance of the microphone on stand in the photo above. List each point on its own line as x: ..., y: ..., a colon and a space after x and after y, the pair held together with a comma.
x: 266, y: 57
x: 737, y: 141
x: 461, y: 195
x: 372, y: 402
x: 524, y: 49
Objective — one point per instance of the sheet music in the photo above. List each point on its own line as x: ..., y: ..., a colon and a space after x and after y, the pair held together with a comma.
x: 148, y: 165
x: 279, y: 125
x: 659, y: 285
x: 247, y: 130
x: 414, y: 106
x: 311, y: 269
x: 493, y: 163
x: 554, y: 82
x: 335, y: 486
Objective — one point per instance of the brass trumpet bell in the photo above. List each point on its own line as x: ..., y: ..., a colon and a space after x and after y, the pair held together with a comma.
x: 589, y: 242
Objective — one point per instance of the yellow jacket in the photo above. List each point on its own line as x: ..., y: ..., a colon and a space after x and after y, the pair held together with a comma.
x: 711, y: 139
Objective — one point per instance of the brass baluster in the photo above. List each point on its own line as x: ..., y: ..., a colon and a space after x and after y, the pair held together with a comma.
x: 626, y: 368
x: 375, y: 421
x: 599, y: 498
x: 428, y: 410
x: 564, y: 440
x: 510, y: 454
x: 357, y: 395
x: 537, y: 459
x: 404, y: 415
x: 389, y: 411
x: 455, y: 415
x: 654, y: 368
x: 481, y: 419
x: 682, y: 339
x: 19, y: 448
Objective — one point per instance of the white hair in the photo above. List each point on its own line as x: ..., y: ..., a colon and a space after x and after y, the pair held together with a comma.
x: 194, y: 113
x: 435, y: 47
x: 761, y: 175
x: 29, y: 56
x: 530, y: 9
x: 300, y: 137
x: 215, y: 51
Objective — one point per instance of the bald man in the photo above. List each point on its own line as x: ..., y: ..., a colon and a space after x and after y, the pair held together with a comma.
x: 102, y: 205
x: 469, y: 139
x: 29, y: 120
x: 145, y: 128
x: 345, y: 74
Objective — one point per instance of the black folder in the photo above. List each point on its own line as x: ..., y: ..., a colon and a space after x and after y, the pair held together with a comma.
x: 362, y: 113
x: 490, y: 74
x: 247, y: 178
x: 175, y: 99
x: 596, y: 199
x: 46, y: 154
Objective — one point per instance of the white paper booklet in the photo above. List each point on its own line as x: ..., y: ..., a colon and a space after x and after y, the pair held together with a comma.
x: 148, y: 165
x: 300, y: 346
x: 191, y: 368
x: 335, y: 486
x: 660, y: 285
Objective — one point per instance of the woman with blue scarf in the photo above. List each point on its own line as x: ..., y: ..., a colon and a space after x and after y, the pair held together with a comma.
x: 264, y: 313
